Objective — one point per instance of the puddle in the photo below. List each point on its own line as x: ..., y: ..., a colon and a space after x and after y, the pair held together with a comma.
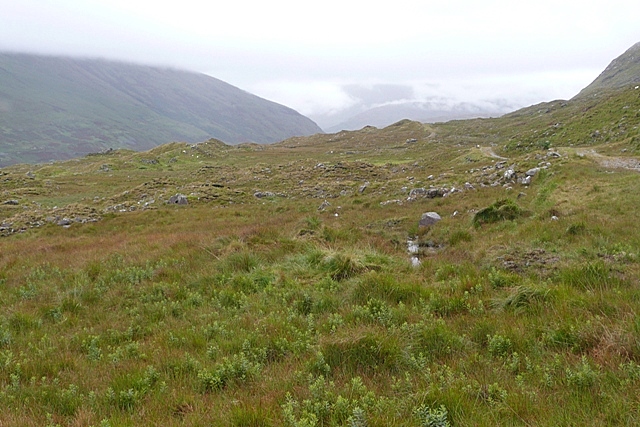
x: 413, y: 247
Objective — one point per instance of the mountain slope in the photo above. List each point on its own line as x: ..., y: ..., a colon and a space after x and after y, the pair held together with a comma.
x: 58, y: 108
x: 622, y: 71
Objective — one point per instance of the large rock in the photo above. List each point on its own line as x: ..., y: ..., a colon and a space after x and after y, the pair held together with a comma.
x: 428, y: 219
x: 178, y: 199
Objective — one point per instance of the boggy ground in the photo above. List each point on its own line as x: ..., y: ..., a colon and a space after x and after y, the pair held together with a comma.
x: 250, y: 306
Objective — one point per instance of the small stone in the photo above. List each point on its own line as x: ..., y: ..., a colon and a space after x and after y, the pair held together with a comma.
x: 262, y: 194
x: 509, y: 174
x: 65, y: 222
x: 532, y: 172
x: 11, y: 202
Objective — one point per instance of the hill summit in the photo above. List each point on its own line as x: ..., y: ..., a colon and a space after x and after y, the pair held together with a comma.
x: 622, y: 71
x: 55, y: 108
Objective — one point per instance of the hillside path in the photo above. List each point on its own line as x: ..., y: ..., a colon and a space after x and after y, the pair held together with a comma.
x: 488, y: 151
x: 611, y: 162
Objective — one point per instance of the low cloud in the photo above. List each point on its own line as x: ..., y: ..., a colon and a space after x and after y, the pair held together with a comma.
x: 330, y: 103
x: 309, y: 97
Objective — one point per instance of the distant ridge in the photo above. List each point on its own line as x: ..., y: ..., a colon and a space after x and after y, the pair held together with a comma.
x: 54, y: 108
x: 622, y: 71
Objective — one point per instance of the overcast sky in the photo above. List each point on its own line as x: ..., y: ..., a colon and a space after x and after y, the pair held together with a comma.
x: 317, y: 57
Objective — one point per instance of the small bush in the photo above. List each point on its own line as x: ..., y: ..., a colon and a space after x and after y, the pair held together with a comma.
x: 583, y: 377
x: 429, y: 417
x: 501, y: 210
x: 236, y: 369
x: 499, y: 345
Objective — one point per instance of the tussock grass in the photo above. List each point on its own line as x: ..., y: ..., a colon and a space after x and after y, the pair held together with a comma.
x: 501, y: 210
x: 236, y: 310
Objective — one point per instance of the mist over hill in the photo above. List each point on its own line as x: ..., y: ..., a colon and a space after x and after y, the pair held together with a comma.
x: 381, y: 105
x: 55, y: 108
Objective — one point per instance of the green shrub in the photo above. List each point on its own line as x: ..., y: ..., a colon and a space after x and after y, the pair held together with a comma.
x: 582, y: 377
x: 430, y: 417
x: 238, y: 368
x: 499, y: 345
x: 501, y: 210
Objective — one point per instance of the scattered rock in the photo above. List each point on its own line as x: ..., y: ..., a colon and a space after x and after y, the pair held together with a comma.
x: 414, y: 193
x: 509, y: 174
x: 532, y: 172
x: 263, y: 194
x: 436, y: 192
x: 64, y: 221
x: 178, y: 199
x: 428, y: 219
x: 11, y: 202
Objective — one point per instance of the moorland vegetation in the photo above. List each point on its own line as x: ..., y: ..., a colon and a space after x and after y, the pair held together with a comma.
x: 282, y: 292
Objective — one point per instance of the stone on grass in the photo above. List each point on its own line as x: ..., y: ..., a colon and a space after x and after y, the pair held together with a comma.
x: 428, y: 219
x: 178, y: 199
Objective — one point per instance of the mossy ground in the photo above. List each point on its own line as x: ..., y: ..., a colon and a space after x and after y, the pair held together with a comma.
x: 243, y: 311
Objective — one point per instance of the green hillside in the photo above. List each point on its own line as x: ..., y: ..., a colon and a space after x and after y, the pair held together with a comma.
x: 623, y: 71
x: 60, y: 108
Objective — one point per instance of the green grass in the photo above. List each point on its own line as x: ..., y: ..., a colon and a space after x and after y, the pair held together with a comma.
x: 242, y: 311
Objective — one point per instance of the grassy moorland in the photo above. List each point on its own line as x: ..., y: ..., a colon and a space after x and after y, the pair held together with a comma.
x: 258, y: 304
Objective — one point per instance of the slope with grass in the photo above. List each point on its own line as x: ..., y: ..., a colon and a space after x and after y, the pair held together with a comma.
x: 622, y: 72
x: 264, y: 311
x: 283, y: 293
x: 60, y: 108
